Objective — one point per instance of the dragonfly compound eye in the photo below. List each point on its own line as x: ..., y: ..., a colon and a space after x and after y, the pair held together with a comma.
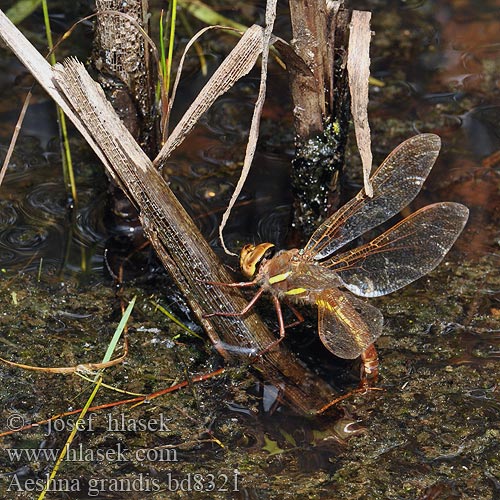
x: 251, y: 256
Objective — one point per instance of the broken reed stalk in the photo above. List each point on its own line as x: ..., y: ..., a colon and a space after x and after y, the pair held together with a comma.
x: 122, y: 61
x: 120, y: 51
x: 318, y: 90
x: 327, y: 39
x: 181, y: 247
x: 309, y: 29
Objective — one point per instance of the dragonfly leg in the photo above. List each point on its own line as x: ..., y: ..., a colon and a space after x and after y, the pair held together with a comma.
x: 247, y: 308
x: 348, y: 395
x: 281, y: 324
x: 296, y: 312
x: 369, y: 366
x: 239, y: 284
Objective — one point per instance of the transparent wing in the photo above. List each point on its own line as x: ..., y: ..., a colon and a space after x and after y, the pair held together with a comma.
x: 346, y: 324
x: 395, y: 184
x: 403, y: 253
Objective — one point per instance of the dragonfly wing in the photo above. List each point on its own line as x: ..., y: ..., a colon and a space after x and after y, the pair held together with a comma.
x: 347, y: 326
x: 395, y: 184
x: 403, y: 253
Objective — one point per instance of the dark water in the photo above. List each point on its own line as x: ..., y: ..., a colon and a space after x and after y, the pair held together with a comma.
x: 432, y: 433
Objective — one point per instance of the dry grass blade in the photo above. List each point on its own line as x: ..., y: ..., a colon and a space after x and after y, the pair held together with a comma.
x: 15, y: 135
x: 236, y: 65
x: 191, y: 42
x: 253, y: 135
x: 358, y: 68
x: 83, y: 368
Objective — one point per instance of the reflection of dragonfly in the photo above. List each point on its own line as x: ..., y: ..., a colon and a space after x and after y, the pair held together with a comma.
x: 347, y: 325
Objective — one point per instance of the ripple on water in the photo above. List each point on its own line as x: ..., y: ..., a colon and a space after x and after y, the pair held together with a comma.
x: 18, y: 166
x: 7, y: 257
x: 273, y: 225
x: 24, y: 238
x: 8, y: 213
x: 45, y: 202
x: 226, y: 159
x: 90, y: 224
x: 200, y: 200
x: 226, y: 117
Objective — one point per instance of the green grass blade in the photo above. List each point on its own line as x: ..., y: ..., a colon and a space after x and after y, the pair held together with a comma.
x: 79, y: 424
x: 173, y: 18
x: 68, y: 173
x: 163, y: 57
x: 119, y: 331
x: 178, y: 322
x: 22, y: 9
x: 209, y: 16
x: 97, y: 381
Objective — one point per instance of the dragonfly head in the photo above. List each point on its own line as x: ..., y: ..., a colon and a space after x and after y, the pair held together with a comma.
x: 251, y: 256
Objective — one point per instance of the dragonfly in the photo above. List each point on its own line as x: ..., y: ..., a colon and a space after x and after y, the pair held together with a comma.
x: 319, y: 275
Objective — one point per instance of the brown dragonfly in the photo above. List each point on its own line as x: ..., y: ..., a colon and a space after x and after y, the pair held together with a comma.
x: 317, y: 275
